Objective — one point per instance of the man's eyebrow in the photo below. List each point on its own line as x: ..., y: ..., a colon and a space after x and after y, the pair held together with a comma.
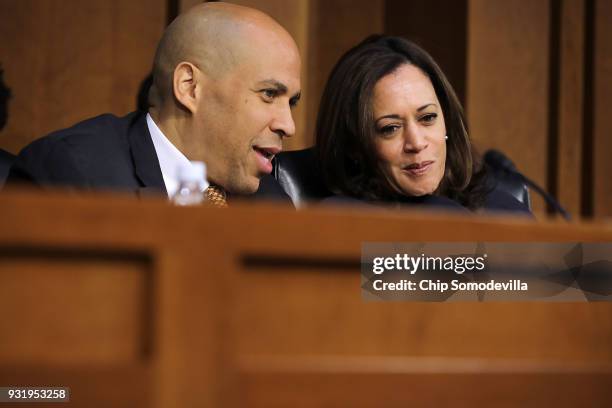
x: 276, y: 84
x: 282, y: 89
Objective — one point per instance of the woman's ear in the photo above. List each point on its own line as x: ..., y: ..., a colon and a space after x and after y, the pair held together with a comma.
x: 184, y: 84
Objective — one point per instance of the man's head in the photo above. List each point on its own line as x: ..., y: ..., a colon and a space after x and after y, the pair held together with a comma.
x: 225, y: 80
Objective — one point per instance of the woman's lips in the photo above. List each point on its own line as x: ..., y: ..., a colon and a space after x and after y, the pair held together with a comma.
x: 418, y: 169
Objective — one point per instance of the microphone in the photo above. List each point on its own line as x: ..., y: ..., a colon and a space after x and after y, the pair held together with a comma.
x: 501, y: 163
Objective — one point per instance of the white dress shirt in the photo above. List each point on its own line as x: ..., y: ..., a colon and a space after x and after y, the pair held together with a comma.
x: 170, y: 158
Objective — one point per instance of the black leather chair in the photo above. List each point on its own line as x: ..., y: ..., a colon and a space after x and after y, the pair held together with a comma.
x: 6, y: 160
x: 298, y: 174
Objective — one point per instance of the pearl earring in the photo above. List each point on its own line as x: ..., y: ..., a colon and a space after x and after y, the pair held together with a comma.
x: 446, y: 137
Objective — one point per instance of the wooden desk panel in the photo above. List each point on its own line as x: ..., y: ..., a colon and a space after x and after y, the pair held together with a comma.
x: 261, y: 306
x: 72, y: 306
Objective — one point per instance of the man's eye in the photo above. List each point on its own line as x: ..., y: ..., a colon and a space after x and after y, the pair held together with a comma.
x: 269, y: 94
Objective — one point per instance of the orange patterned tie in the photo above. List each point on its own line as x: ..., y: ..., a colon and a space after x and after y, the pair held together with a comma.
x: 216, y: 196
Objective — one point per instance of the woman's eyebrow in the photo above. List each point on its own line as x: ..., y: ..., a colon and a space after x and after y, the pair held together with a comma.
x: 396, y: 116
x: 425, y: 106
x: 390, y: 116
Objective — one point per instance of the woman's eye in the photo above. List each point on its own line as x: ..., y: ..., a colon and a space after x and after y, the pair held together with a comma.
x: 388, y: 130
x: 429, y: 118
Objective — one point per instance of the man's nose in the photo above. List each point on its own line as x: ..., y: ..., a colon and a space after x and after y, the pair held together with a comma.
x: 283, y: 124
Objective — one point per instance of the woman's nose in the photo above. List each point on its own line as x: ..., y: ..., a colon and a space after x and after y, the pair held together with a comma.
x: 415, y: 140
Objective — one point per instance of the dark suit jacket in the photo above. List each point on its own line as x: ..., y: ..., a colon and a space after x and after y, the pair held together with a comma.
x: 102, y: 153
x: 6, y: 160
x: 496, y: 201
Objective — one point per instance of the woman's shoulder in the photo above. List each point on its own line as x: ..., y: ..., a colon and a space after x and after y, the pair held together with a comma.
x: 427, y: 201
x: 496, y: 201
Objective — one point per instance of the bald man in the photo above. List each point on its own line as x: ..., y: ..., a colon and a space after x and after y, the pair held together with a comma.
x: 225, y: 81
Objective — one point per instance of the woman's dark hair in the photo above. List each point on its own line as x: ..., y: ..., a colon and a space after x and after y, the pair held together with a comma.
x: 345, y: 131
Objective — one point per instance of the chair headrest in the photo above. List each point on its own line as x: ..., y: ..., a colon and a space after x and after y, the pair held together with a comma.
x: 299, y: 175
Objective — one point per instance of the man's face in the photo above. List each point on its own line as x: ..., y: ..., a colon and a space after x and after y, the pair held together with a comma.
x: 244, y: 115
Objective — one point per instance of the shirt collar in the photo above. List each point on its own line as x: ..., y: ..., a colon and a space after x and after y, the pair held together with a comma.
x: 170, y: 158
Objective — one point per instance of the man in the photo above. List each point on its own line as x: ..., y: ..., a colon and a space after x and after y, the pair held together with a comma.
x: 225, y: 79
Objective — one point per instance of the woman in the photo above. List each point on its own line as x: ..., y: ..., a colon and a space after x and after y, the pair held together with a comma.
x: 390, y: 129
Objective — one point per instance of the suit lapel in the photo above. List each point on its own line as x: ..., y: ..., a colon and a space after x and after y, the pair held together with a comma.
x: 146, y: 164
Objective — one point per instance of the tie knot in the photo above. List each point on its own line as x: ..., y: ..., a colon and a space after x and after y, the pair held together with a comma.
x: 216, y: 196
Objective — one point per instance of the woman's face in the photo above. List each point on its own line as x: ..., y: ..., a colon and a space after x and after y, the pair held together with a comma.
x: 409, y: 131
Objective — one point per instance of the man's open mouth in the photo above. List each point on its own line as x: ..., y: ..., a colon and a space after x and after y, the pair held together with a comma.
x: 267, y: 152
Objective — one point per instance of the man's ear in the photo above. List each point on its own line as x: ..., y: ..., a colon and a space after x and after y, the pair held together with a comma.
x: 185, y: 83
